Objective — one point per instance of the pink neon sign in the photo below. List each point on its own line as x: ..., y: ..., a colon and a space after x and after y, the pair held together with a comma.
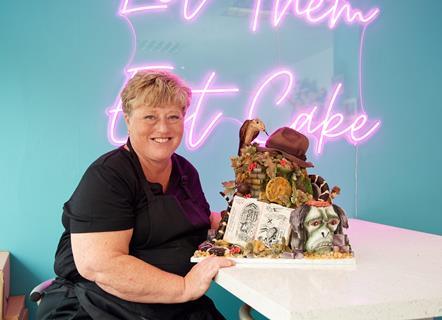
x: 311, y: 11
x: 323, y: 127
x: 189, y: 13
x: 334, y: 125
x: 318, y: 11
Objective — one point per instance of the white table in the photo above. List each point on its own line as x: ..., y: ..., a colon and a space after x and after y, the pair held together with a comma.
x: 398, y: 275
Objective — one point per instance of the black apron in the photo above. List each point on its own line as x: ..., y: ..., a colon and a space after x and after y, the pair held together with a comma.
x: 170, y: 239
x: 164, y: 237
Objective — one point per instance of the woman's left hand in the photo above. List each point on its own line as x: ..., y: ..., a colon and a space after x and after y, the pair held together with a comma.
x: 198, y: 279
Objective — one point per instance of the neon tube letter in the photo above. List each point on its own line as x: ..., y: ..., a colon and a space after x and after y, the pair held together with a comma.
x: 340, y: 9
x: 332, y: 124
x: 192, y: 15
x: 125, y: 9
x: 195, y: 142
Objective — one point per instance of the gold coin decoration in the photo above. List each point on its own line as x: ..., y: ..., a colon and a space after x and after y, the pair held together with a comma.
x: 277, y: 189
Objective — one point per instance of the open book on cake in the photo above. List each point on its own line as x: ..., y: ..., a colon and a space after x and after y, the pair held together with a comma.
x: 250, y: 219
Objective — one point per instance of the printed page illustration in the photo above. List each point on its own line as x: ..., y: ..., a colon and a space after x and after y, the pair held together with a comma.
x: 251, y: 219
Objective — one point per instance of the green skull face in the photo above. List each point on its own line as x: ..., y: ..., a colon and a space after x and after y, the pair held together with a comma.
x: 320, y: 223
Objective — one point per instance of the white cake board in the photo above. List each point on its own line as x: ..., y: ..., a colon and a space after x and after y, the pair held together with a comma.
x: 269, y: 262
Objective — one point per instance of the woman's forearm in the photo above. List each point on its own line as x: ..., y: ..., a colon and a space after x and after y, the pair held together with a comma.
x: 103, y: 257
x: 132, y: 279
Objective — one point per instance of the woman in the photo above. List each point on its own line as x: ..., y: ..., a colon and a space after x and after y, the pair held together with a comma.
x: 135, y: 220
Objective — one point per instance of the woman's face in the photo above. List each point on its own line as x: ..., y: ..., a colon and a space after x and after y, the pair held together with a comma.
x: 155, y: 133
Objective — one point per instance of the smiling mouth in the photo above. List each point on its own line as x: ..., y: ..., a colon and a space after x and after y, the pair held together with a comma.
x: 324, y: 244
x: 161, y: 140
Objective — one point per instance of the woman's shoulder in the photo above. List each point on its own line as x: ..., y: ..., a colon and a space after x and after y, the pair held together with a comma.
x: 184, y: 166
x: 114, y: 158
x: 116, y: 163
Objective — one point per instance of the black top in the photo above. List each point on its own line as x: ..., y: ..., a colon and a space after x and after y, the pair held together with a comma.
x: 167, y: 228
x: 111, y: 196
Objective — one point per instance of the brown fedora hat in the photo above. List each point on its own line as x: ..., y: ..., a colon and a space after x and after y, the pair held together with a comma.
x: 291, y: 144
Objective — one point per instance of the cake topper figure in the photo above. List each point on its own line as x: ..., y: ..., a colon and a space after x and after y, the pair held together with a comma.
x: 250, y: 129
x: 317, y: 226
x: 291, y: 144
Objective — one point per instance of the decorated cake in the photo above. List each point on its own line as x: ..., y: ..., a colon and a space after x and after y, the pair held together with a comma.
x: 276, y: 209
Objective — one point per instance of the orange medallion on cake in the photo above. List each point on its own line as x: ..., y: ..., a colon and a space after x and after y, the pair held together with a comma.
x: 278, y: 190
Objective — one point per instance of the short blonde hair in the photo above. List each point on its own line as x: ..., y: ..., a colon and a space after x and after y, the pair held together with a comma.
x: 155, y: 88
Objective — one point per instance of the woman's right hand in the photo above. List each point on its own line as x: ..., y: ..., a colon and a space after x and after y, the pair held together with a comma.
x: 198, y: 279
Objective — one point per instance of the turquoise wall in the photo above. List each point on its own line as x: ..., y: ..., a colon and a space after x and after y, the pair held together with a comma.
x: 402, y: 68
x: 61, y: 66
